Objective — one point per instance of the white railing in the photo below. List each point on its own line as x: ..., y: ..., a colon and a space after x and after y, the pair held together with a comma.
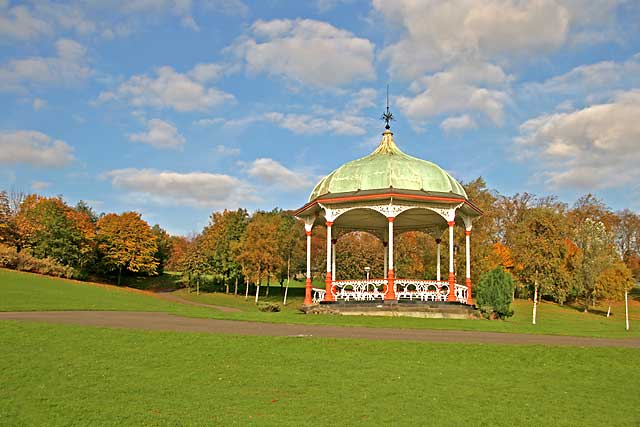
x: 406, y: 289
x: 318, y: 295
x: 421, y: 290
x: 359, y: 290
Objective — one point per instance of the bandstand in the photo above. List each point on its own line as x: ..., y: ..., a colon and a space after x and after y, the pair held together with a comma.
x: 386, y: 194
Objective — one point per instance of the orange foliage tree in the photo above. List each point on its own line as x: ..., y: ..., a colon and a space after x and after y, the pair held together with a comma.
x: 126, y: 242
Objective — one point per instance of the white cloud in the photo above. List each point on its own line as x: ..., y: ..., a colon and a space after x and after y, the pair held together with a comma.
x: 605, y: 76
x: 458, y: 123
x: 181, y: 9
x: 19, y: 23
x: 40, y: 185
x: 596, y: 147
x: 67, y: 68
x: 306, y: 51
x: 160, y: 134
x: 227, y: 7
x: 39, y: 104
x: 222, y: 150
x: 438, y: 33
x: 199, y: 189
x: 271, y: 172
x: 170, y: 89
x: 305, y: 124
x: 479, y: 87
x: 34, y: 148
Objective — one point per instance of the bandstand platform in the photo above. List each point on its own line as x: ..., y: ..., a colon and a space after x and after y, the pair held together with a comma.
x: 388, y: 193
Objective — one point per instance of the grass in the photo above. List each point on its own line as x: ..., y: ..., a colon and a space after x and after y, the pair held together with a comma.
x: 60, y: 375
x: 28, y: 292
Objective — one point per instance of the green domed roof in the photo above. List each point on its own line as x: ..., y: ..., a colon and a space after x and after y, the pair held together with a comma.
x: 388, y: 167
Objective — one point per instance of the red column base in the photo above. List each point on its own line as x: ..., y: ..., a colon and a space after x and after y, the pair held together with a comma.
x: 391, y: 289
x: 467, y: 283
x: 452, y: 288
x: 308, y: 300
x: 328, y: 296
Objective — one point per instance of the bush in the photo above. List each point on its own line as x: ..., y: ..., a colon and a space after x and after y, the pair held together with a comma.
x: 494, y: 293
x: 269, y: 307
x: 23, y: 261
x: 8, y: 257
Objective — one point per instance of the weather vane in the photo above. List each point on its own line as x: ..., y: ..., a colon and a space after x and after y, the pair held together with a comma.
x: 387, y: 116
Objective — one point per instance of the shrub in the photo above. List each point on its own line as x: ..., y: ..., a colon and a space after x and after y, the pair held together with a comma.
x: 495, y: 293
x: 24, y: 261
x: 8, y: 257
x: 269, y: 307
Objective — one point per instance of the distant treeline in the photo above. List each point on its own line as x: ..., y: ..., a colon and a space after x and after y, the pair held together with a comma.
x: 583, y: 252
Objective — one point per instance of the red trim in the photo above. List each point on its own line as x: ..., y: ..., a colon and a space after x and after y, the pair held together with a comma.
x: 329, y: 223
x: 391, y: 218
x: 452, y: 287
x: 308, y: 300
x: 391, y: 294
x: 387, y: 195
x: 467, y: 232
x: 451, y: 223
x: 308, y: 233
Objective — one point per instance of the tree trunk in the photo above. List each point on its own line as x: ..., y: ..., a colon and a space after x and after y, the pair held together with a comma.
x: 198, y: 285
x: 235, y: 289
x: 119, y: 274
x: 257, y: 291
x: 609, y: 311
x: 268, y: 280
x: 226, y: 284
x: 246, y: 290
x: 286, y: 290
x: 535, y: 303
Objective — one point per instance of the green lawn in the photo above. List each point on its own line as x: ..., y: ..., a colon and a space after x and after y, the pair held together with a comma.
x: 59, y: 375
x: 24, y: 291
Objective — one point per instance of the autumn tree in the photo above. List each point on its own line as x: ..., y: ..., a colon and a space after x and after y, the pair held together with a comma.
x: 259, y: 251
x: 354, y: 252
x: 597, y: 255
x: 163, y: 245
x: 179, y: 245
x: 49, y: 228
x: 613, y: 282
x: 220, y: 241
x: 292, y: 246
x: 127, y: 243
x: 538, y: 249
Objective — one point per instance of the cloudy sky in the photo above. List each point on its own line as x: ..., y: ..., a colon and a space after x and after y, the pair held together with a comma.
x: 177, y: 108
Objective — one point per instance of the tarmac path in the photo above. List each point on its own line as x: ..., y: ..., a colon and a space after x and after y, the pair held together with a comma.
x: 170, y: 322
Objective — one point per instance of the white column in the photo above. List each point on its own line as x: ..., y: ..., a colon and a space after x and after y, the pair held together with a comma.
x: 390, y: 261
x: 309, y: 254
x: 386, y: 258
x: 438, y: 259
x: 450, y: 248
x: 329, y: 244
x: 452, y: 278
x: 467, y: 245
x: 333, y: 259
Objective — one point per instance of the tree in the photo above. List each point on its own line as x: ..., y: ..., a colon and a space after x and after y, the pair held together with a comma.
x: 179, y: 246
x: 127, y: 243
x: 163, y: 243
x: 538, y: 249
x: 613, y: 283
x: 49, y: 228
x: 597, y: 255
x: 258, y: 251
x: 494, y: 293
x: 220, y: 240
x: 354, y: 252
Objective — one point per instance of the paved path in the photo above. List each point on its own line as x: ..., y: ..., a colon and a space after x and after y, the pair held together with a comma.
x: 169, y: 322
x: 169, y: 296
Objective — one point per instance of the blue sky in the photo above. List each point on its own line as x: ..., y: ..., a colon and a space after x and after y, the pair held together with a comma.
x: 177, y: 108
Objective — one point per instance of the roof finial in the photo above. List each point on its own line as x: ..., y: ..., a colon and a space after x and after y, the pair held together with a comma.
x: 387, y: 116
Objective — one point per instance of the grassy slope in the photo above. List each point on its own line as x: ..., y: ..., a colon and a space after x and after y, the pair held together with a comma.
x: 24, y: 291
x: 70, y: 375
x: 31, y: 292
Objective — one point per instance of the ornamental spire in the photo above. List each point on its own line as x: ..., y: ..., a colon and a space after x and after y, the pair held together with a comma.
x: 387, y: 116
